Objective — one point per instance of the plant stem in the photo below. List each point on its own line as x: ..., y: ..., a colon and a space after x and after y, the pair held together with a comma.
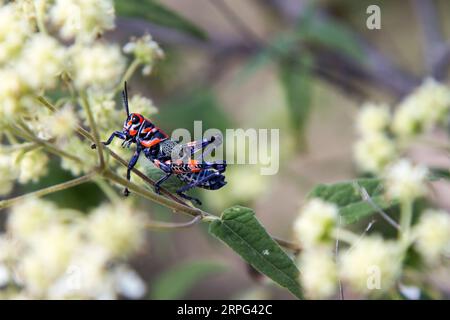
x: 169, y: 225
x: 42, y: 192
x: 144, y: 177
x: 49, y: 147
x: 128, y: 73
x: 177, y: 207
x: 107, y: 190
x: 93, y: 125
x: 10, y: 137
x: 405, y: 220
x: 288, y: 245
x: 345, y: 235
x: 39, y: 8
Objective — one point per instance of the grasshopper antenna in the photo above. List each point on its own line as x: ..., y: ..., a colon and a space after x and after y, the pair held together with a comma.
x: 125, y: 98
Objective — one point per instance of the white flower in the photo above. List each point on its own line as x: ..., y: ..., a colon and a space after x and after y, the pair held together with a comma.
x: 317, y: 219
x: 145, y: 51
x: 371, y: 266
x: 373, y: 118
x: 82, y: 150
x: 8, y: 249
x: 42, y: 60
x: 408, y: 119
x: 84, y: 19
x: 128, y: 283
x: 51, y: 251
x: 318, y: 274
x: 7, y: 173
x: 117, y: 228
x: 142, y: 105
x: 32, y: 166
x: 98, y: 66
x: 13, y: 32
x: 11, y: 88
x: 62, y: 123
x: 432, y: 234
x: 86, y: 276
x: 31, y: 216
x: 434, y: 98
x: 406, y: 181
x: 103, y: 109
x: 373, y: 152
x: 427, y: 106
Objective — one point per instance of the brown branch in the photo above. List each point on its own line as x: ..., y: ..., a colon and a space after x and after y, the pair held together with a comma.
x: 435, y: 50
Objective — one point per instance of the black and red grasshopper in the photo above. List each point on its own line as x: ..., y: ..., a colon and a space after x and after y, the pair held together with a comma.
x: 158, y: 148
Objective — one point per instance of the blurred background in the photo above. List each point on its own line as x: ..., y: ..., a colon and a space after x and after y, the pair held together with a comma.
x: 303, y: 67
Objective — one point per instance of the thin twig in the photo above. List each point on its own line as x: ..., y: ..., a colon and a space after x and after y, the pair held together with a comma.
x: 355, y: 243
x: 158, y: 225
x: 288, y: 245
x: 434, y: 46
x: 21, y: 133
x: 366, y: 197
x: 244, y: 30
x: 144, y: 177
x: 42, y: 192
x: 93, y: 125
x: 177, y: 207
x: 336, y: 252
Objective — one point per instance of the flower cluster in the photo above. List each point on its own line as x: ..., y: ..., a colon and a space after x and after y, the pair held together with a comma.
x: 56, y: 49
x: 383, y: 137
x: 48, y: 252
x: 370, y: 264
x: 83, y: 69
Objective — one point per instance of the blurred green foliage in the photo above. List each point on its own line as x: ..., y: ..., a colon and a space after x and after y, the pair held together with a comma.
x: 349, y: 199
x: 176, y: 282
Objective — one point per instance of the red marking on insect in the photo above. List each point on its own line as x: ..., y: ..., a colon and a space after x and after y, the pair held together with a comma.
x: 133, y: 132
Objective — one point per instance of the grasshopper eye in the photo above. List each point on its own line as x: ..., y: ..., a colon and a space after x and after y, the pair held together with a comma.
x: 135, y: 120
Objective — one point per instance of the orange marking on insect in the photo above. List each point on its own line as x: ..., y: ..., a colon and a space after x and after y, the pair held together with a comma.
x: 147, y: 130
x: 150, y: 143
x: 133, y: 132
x: 193, y: 165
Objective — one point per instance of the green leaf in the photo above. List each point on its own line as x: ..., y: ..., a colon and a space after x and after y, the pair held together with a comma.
x: 347, y: 196
x: 155, y: 12
x: 439, y: 173
x: 277, y: 49
x: 242, y: 232
x: 295, y: 76
x: 197, y: 104
x: 329, y: 33
x: 177, y: 281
